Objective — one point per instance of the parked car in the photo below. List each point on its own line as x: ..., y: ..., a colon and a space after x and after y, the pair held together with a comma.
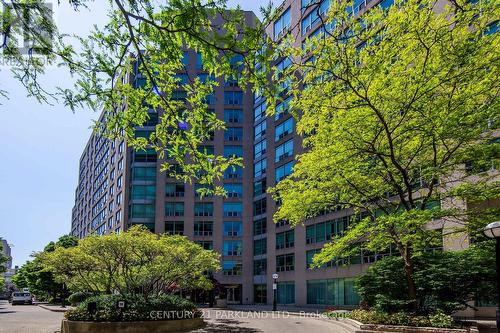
x: 21, y: 298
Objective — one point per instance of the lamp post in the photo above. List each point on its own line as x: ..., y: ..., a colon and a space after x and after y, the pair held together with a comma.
x: 492, y: 231
x: 275, y: 290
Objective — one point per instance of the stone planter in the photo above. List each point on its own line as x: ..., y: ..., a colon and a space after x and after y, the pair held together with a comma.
x: 154, y: 326
x: 365, y: 328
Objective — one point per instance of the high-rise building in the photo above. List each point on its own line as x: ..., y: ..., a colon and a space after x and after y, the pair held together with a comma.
x: 7, y: 251
x: 119, y: 187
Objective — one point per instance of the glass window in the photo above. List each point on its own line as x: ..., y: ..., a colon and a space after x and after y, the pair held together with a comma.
x: 284, y: 170
x: 185, y: 58
x: 233, y: 134
x: 143, y: 192
x: 283, y: 129
x: 282, y: 24
x: 285, y: 239
x: 233, y: 116
x: 231, y: 267
x: 206, y: 245
x: 259, y: 187
x: 260, y: 246
x: 174, y: 190
x: 203, y: 209
x: 233, y: 209
x: 260, y: 294
x: 174, y: 227
x: 332, y: 291
x: 234, y: 190
x: 282, y: 65
x: 233, y: 97
x: 233, y: 151
x: 282, y: 108
x: 260, y: 168
x: 260, y: 111
x: 142, y: 211
x: 203, y: 228
x: 233, y: 229
x: 148, y: 155
x: 285, y: 262
x: 260, y: 267
x: 260, y: 226
x: 174, y: 209
x: 199, y: 61
x: 286, y: 292
x: 259, y: 130
x: 284, y: 150
x: 233, y: 172
x: 259, y: 206
x: 232, y: 248
x: 259, y: 149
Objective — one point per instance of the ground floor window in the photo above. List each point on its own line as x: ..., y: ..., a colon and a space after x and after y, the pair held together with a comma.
x: 332, y: 292
x: 260, y: 293
x: 286, y: 292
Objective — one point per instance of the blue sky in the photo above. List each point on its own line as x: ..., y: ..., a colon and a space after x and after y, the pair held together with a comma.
x: 40, y: 146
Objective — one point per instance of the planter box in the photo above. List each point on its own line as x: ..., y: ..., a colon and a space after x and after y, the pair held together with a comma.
x: 154, y: 326
x: 411, y: 329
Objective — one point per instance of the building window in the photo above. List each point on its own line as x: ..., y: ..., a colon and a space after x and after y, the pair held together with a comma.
x: 233, y: 172
x: 144, y: 173
x: 285, y: 239
x: 285, y: 262
x: 260, y: 226
x: 283, y: 129
x: 259, y: 206
x: 259, y: 246
x: 259, y: 187
x: 286, y: 292
x: 260, y: 267
x: 199, y: 61
x: 284, y: 170
x: 259, y: 112
x: 185, y: 58
x: 203, y: 209
x: 323, y: 231
x: 203, y: 228
x: 118, y: 216
x: 282, y: 108
x: 207, y: 150
x: 284, y: 150
x: 233, y: 116
x: 143, y: 192
x: 231, y: 267
x: 232, y: 209
x: 259, y: 168
x: 174, y: 227
x: 259, y: 130
x: 332, y: 292
x: 233, y: 97
x: 206, y: 245
x: 232, y: 248
x: 233, y: 229
x: 174, y: 190
x: 260, y: 293
x: 174, y: 209
x: 148, y: 155
x: 233, y: 134
x: 234, y: 190
x: 119, y: 198
x: 282, y: 24
x: 142, y: 211
x: 259, y: 149
x: 120, y: 164
x: 314, y: 17
x: 282, y: 65
x: 119, y: 182
x: 233, y: 151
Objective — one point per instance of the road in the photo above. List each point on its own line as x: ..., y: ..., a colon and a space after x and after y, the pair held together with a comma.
x: 28, y: 319
x: 33, y: 319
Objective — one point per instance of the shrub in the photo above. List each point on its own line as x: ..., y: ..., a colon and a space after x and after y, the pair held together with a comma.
x: 78, y: 297
x: 137, y: 308
x: 440, y: 319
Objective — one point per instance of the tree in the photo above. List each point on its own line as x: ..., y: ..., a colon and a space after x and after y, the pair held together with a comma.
x: 398, y: 110
x: 3, y: 260
x: 447, y: 281
x: 148, y: 38
x: 134, y: 262
x: 35, y: 276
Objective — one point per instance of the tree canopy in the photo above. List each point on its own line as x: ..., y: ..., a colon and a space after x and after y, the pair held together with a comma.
x: 398, y: 110
x: 133, y: 262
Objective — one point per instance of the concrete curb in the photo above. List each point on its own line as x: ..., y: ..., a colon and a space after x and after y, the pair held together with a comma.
x: 53, y: 308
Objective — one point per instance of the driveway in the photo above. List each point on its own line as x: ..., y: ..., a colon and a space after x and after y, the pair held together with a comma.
x: 28, y: 319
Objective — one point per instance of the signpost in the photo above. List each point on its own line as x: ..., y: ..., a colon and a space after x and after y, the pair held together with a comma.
x: 275, y: 290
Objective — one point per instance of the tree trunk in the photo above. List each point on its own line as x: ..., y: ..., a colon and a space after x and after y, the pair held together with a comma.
x: 409, y: 270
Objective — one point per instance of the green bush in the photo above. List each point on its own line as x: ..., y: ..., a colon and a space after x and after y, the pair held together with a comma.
x: 137, y: 308
x: 440, y: 320
x: 78, y: 297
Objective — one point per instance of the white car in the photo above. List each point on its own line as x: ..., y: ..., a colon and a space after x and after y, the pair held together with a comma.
x: 21, y: 298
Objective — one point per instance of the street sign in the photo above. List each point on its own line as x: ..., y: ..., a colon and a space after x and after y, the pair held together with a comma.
x: 121, y: 304
x: 275, y: 286
x: 275, y: 276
